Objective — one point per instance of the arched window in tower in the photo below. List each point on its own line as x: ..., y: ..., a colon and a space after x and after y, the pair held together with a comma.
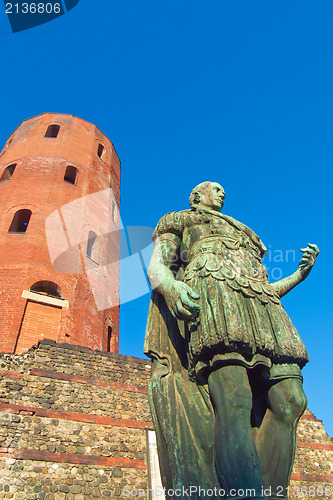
x: 110, y: 339
x: 52, y: 131
x: 20, y: 221
x: 101, y: 151
x: 71, y: 174
x: 8, y: 172
x: 47, y: 288
x: 42, y: 314
x: 91, y: 246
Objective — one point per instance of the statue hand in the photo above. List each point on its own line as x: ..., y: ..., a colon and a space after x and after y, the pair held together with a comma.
x: 308, y: 259
x: 178, y: 297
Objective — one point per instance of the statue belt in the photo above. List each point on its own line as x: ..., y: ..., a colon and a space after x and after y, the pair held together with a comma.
x: 217, y: 244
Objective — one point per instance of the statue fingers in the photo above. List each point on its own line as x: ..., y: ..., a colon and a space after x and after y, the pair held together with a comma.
x: 187, y: 307
x: 314, y: 248
x: 311, y: 248
x: 189, y: 304
x: 309, y: 254
x: 304, y: 263
x: 173, y: 306
x: 192, y: 293
x: 311, y: 251
x: 182, y: 312
x: 173, y: 310
x: 192, y: 311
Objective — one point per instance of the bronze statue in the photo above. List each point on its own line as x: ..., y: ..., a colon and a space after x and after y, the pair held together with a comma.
x: 226, y: 388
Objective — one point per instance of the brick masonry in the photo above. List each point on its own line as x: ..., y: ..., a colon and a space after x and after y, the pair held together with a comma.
x: 73, y: 426
x: 38, y: 185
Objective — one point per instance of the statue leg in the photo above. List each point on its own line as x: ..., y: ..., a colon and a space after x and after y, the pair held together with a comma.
x: 236, y: 459
x: 276, y: 437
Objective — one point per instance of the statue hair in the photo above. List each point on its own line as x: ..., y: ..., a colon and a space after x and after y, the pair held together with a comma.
x: 196, y: 192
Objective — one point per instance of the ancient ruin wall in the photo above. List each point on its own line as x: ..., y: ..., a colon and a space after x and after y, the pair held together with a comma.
x: 73, y: 426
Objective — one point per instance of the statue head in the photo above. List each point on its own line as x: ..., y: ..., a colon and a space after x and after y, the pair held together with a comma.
x: 208, y: 195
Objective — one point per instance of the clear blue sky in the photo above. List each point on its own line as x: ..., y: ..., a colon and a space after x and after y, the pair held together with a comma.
x: 239, y: 92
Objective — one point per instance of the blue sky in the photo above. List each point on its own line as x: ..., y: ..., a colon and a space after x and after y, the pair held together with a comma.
x: 238, y: 92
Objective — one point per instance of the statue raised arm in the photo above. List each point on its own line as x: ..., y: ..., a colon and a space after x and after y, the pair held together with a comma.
x: 305, y: 265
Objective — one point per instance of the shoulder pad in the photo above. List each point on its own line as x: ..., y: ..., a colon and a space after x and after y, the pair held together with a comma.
x: 172, y: 222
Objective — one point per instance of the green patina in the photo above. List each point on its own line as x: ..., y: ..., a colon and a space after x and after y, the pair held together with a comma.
x: 226, y: 389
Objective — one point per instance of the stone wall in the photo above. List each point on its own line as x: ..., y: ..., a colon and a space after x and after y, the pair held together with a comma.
x: 312, y: 476
x: 72, y: 423
x: 73, y: 426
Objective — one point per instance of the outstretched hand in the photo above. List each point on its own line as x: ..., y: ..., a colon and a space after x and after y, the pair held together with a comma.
x: 178, y: 297
x: 308, y: 259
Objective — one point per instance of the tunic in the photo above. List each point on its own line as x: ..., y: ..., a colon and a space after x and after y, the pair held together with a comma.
x: 241, y: 318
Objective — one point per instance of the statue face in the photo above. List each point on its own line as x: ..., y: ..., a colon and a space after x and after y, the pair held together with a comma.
x: 212, y: 197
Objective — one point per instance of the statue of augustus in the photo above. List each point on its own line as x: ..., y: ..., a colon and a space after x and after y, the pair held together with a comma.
x: 226, y: 388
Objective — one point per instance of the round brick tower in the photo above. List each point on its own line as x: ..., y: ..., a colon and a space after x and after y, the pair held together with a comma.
x: 59, y: 235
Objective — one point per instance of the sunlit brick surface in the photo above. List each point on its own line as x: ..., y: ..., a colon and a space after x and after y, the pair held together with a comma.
x: 38, y: 184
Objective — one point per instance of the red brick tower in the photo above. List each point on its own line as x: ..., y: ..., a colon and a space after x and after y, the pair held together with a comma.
x: 59, y: 251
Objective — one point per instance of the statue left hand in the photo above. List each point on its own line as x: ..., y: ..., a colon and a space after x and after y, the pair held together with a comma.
x: 308, y: 259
